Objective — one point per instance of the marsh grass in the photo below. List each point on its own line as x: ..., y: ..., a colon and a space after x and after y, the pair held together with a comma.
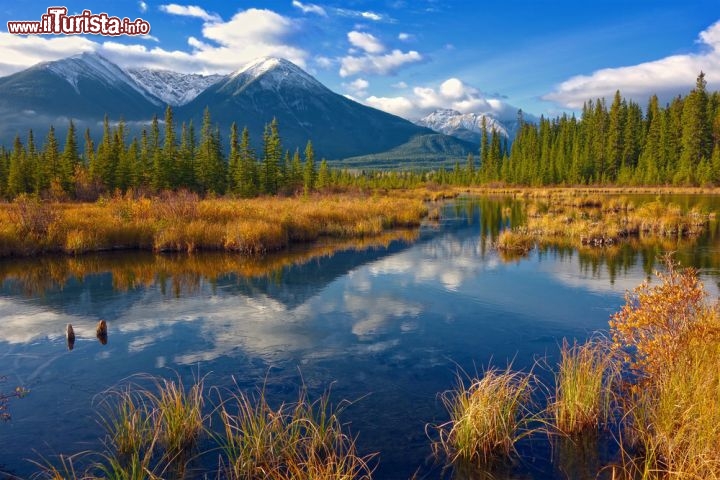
x: 518, y: 241
x: 584, y: 386
x: 183, y: 222
x: 595, y: 220
x: 670, y: 337
x: 300, y: 440
x: 488, y: 416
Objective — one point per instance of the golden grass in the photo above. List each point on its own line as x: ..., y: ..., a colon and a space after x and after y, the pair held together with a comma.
x: 517, y: 241
x: 183, y: 272
x: 601, y: 221
x: 183, y: 222
x: 487, y: 417
x: 670, y: 337
x: 584, y: 383
x: 300, y: 440
x: 153, y: 432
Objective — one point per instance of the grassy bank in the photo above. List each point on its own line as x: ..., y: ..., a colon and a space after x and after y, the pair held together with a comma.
x: 600, y: 220
x: 183, y: 222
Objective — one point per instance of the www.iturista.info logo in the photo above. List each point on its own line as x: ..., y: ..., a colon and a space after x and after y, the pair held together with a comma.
x: 57, y: 22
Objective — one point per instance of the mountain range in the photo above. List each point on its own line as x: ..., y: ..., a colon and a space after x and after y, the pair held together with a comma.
x: 87, y: 87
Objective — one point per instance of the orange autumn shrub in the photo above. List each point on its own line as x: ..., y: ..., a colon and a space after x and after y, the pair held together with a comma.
x: 660, y: 320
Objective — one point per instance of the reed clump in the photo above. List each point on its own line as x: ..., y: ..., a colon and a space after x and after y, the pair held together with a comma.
x: 488, y: 417
x: 584, y: 387
x: 300, y: 440
x: 156, y: 428
x: 515, y: 241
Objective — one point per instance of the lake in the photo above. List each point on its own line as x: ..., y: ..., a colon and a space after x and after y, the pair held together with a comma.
x: 387, y: 323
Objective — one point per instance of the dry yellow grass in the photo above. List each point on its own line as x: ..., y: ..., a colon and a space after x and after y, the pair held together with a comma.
x: 182, y: 222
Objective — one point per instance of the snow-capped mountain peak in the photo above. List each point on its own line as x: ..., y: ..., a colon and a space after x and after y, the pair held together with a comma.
x: 173, y: 88
x: 467, y: 126
x: 273, y: 73
x: 94, y: 66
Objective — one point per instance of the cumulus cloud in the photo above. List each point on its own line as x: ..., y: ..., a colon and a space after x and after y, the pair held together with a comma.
x: 666, y: 77
x: 452, y: 93
x: 365, y: 41
x: 223, y: 47
x: 309, y: 8
x: 19, y: 52
x: 357, y: 88
x: 190, y: 11
x: 142, y: 6
x: 405, y: 37
x: 377, y: 64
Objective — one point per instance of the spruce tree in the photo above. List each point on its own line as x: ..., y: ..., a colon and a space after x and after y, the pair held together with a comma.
x: 309, y: 168
x: 69, y: 160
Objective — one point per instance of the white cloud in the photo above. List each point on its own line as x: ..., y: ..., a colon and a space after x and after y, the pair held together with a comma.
x: 400, y: 84
x: 19, y: 52
x: 371, y: 16
x: 365, y: 41
x: 405, y: 37
x: 400, y: 106
x: 666, y: 77
x: 377, y: 64
x: 142, y: 6
x: 357, y: 88
x: 152, y: 38
x: 190, y: 11
x: 323, y: 61
x: 309, y: 8
x: 452, y: 93
x: 223, y: 47
x: 367, y: 15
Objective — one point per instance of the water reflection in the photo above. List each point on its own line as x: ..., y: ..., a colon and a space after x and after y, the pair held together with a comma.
x: 393, y: 317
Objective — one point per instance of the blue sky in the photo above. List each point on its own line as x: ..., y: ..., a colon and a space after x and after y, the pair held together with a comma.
x: 412, y: 56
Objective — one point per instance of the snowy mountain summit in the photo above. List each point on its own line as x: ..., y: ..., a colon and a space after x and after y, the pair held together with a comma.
x: 173, y: 88
x: 273, y: 74
x: 94, y: 67
x: 466, y: 126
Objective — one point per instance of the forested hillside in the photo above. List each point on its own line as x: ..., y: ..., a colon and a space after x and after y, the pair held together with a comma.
x: 675, y: 144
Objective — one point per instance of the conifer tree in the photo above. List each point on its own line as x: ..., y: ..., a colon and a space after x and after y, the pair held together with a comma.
x: 69, y: 160
x: 323, y: 176
x: 309, y: 169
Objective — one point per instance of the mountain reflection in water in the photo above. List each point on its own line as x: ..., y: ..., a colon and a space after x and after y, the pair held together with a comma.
x: 388, y: 321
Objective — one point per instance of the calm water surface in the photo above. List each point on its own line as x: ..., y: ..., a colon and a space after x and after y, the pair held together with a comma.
x: 387, y: 325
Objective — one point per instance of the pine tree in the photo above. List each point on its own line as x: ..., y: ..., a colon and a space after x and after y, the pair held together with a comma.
x: 170, y: 164
x: 309, y: 169
x: 272, y: 154
x: 323, y: 176
x: 69, y: 160
x: 49, y: 172
x: 234, y: 172
x: 211, y: 170
x: 247, y: 179
x: 696, y: 134
x: 18, y: 173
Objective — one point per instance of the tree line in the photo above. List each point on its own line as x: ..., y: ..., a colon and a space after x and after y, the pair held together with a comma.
x: 158, y: 161
x: 678, y: 144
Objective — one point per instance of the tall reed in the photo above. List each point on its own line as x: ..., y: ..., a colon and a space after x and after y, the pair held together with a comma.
x: 584, y: 382
x: 487, y: 417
